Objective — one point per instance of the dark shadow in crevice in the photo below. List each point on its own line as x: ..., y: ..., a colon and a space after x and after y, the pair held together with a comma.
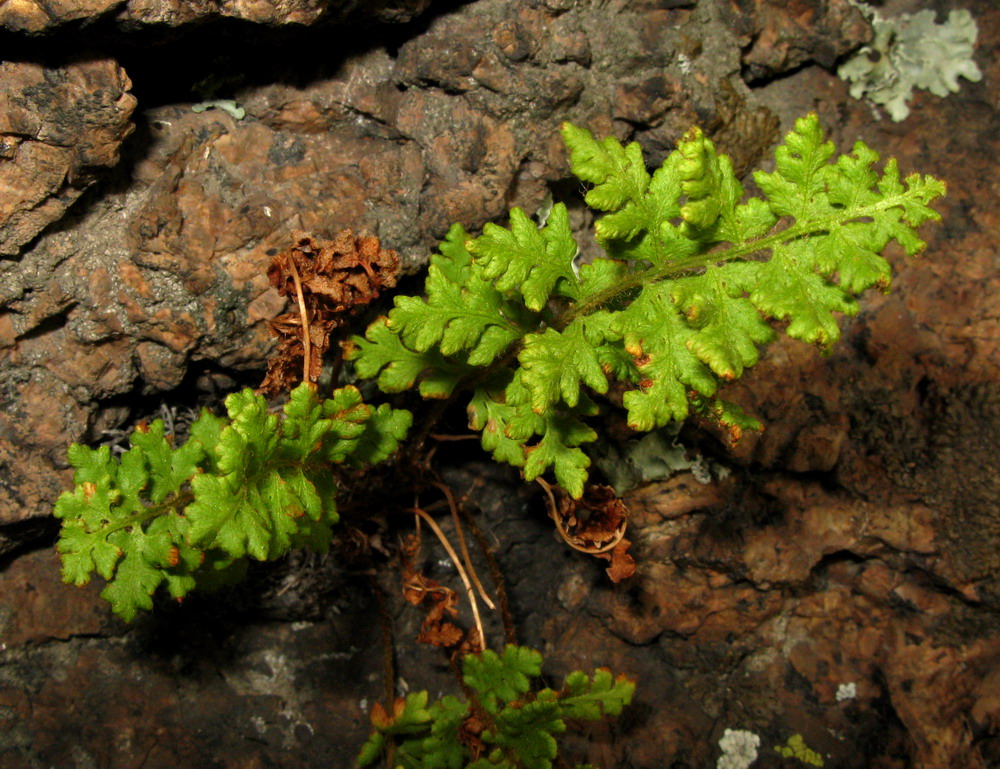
x: 167, y: 64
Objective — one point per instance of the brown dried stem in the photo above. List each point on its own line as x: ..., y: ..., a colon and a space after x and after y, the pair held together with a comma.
x: 458, y: 566
x: 499, y: 583
x: 461, y: 544
x: 567, y: 537
x: 306, y: 348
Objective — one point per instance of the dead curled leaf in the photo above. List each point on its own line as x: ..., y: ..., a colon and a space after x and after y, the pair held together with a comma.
x: 337, y: 277
x: 440, y: 601
x: 596, y: 524
x: 622, y: 564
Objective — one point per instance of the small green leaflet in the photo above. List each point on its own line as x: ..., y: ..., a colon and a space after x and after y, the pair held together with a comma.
x: 500, y: 679
x: 559, y: 449
x: 381, y: 355
x: 555, y: 364
x: 591, y: 698
x: 525, y: 258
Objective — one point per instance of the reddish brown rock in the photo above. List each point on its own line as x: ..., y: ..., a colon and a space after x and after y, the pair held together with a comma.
x: 778, y: 35
x: 59, y: 128
x: 35, y: 16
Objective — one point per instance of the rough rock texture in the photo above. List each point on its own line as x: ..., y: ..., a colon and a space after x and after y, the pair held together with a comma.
x: 777, y: 38
x: 854, y: 542
x: 59, y: 128
x: 36, y: 16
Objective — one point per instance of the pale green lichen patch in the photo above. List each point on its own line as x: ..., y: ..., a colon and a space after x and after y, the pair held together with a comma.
x: 912, y: 51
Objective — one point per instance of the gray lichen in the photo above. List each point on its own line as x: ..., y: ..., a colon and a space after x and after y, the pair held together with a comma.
x: 912, y: 51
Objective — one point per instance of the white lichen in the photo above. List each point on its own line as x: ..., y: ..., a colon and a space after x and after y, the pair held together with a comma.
x: 226, y: 105
x: 912, y: 51
x: 847, y: 691
x: 739, y: 749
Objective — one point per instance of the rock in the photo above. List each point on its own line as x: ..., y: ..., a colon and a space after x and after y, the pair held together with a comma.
x: 34, y: 16
x: 777, y: 36
x: 283, y: 683
x: 59, y: 129
x: 839, y: 609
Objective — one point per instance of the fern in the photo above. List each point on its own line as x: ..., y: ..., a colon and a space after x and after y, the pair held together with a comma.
x: 504, y: 724
x: 692, y: 280
x: 252, y: 486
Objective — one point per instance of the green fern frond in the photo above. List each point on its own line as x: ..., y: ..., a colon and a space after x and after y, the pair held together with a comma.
x: 693, y: 279
x: 505, y: 722
x: 253, y: 485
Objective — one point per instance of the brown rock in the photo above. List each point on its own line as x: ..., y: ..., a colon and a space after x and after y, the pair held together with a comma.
x: 778, y: 35
x: 38, y: 607
x: 59, y: 128
x: 35, y: 16
x: 854, y: 543
x: 458, y: 127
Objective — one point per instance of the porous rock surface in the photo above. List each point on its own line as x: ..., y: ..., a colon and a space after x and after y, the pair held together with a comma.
x: 841, y: 583
x: 40, y: 16
x: 59, y: 129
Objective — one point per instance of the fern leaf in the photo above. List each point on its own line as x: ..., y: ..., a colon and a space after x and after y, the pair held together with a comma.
x: 385, y: 429
x: 490, y: 412
x: 591, y: 698
x: 618, y: 173
x: 454, y: 318
x: 528, y: 731
x: 658, y: 337
x: 554, y: 365
x: 728, y: 326
x: 443, y: 748
x: 84, y: 552
x: 798, y: 186
x: 788, y: 288
x: 139, y: 573
x: 168, y: 468
x: 250, y: 509
x: 453, y: 258
x: 505, y: 725
x: 693, y: 276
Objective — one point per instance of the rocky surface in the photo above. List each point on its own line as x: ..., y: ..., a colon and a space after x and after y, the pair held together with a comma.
x: 852, y: 543
x: 36, y: 16
x: 60, y: 127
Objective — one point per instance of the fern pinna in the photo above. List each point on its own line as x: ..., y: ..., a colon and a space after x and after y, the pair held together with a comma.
x: 693, y: 274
